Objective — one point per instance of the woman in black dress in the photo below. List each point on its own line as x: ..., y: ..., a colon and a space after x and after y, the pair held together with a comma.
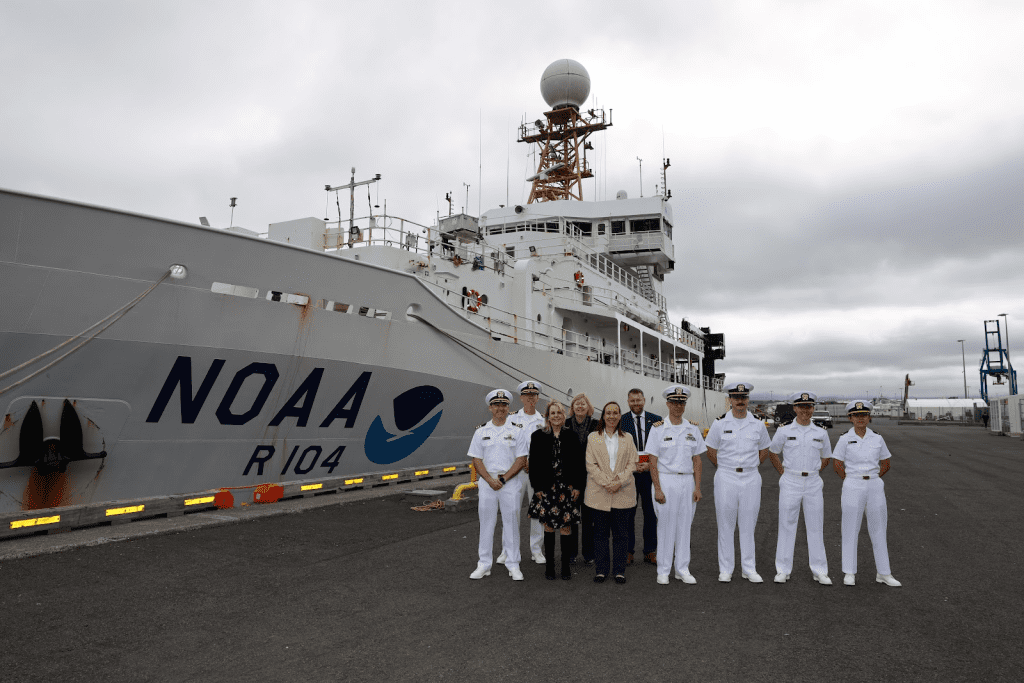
x: 557, y: 474
x: 581, y: 421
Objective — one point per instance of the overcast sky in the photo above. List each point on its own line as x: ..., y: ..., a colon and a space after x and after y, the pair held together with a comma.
x: 847, y: 177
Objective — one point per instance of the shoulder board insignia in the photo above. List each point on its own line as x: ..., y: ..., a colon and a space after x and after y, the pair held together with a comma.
x: 481, y: 425
x: 658, y: 423
x: 721, y: 416
x: 787, y: 422
x: 515, y: 424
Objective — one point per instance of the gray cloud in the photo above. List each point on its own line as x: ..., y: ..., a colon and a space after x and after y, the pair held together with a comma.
x: 846, y: 179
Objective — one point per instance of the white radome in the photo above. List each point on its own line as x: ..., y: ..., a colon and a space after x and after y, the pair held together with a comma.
x: 565, y: 83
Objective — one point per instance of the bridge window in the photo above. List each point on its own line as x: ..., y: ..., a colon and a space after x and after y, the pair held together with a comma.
x: 618, y: 227
x: 646, y: 225
x: 551, y: 227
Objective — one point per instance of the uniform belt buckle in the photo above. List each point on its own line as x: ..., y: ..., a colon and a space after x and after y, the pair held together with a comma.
x: 739, y: 469
x: 865, y: 477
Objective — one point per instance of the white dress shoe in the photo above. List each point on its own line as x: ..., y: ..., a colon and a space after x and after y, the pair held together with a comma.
x: 850, y: 579
x: 725, y: 578
x: 515, y: 573
x: 887, y: 580
x: 663, y: 579
x: 823, y: 579
x: 480, y: 572
x: 539, y: 558
x: 501, y: 558
x: 686, y: 577
x: 753, y: 577
x: 781, y: 577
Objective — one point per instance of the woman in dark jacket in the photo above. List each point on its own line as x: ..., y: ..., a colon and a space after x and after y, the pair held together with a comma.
x: 557, y: 474
x: 581, y: 421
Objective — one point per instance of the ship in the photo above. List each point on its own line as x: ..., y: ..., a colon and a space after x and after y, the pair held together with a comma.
x: 142, y: 357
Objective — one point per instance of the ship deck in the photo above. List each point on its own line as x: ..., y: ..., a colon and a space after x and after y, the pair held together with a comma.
x: 356, y: 586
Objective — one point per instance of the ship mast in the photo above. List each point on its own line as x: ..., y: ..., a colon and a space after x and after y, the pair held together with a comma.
x: 562, y: 138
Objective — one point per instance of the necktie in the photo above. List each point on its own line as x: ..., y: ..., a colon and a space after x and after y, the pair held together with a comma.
x: 640, y: 432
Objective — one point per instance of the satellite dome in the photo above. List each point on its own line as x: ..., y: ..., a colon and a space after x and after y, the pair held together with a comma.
x: 565, y: 83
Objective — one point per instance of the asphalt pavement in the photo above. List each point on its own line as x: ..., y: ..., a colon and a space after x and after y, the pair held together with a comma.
x: 359, y: 587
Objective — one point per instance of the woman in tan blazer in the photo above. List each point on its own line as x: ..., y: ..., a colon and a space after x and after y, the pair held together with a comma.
x: 610, y: 493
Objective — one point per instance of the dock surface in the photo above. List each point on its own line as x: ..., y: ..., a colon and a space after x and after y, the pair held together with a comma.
x: 358, y: 587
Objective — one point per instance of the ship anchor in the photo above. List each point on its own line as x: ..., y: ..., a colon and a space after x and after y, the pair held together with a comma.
x: 51, y: 454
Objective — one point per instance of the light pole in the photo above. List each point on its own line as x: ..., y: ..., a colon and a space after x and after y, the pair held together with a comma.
x: 963, y: 357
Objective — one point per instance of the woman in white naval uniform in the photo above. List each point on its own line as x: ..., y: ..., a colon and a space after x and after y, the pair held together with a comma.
x: 675, y: 446
x: 499, y: 450
x: 861, y: 459
x: 737, y: 443
x: 805, y: 451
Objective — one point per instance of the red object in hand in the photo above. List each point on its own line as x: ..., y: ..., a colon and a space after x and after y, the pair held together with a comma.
x: 645, y: 458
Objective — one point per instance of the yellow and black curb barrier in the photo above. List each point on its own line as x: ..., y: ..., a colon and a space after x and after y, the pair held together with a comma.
x: 28, y: 522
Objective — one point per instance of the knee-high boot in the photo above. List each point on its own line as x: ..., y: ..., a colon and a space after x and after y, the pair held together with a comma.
x: 568, y: 545
x: 549, y: 554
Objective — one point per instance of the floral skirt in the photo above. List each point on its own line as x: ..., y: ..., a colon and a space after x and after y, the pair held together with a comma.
x: 556, y: 507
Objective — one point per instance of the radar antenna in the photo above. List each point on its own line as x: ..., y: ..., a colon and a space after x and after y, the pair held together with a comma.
x: 562, y: 138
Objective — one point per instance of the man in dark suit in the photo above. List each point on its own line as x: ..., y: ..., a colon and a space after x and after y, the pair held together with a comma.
x: 637, y: 423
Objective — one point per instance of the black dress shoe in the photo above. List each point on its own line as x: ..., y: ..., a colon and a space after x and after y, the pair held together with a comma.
x: 599, y: 578
x: 620, y: 579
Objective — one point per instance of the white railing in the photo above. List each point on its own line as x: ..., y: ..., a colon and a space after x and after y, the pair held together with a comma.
x: 516, y: 329
x: 429, y: 242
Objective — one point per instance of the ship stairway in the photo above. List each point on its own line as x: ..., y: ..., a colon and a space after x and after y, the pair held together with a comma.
x: 643, y: 273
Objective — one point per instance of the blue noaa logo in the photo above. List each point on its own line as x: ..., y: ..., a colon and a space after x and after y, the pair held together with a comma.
x: 411, y: 407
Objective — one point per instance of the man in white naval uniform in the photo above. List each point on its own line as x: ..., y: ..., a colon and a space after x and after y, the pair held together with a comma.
x: 737, y: 443
x: 530, y: 420
x: 805, y: 451
x: 499, y: 449
x: 675, y: 446
x: 861, y: 459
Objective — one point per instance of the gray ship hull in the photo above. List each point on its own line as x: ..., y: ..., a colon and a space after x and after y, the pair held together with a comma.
x: 203, y: 384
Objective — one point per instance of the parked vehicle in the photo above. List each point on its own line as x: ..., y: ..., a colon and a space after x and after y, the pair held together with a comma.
x: 822, y: 419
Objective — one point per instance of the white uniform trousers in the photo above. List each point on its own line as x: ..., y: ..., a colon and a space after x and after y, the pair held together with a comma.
x: 508, y: 500
x: 794, y: 491
x: 536, y: 528
x: 675, y: 517
x: 864, y: 496
x: 737, y: 500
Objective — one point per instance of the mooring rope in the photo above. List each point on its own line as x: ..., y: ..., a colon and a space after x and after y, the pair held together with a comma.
x: 427, y: 507
x: 119, y: 313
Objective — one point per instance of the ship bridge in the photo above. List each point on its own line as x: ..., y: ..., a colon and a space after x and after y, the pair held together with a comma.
x: 628, y: 241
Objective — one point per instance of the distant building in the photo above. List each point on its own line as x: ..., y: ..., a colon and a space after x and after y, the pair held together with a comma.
x: 949, y: 408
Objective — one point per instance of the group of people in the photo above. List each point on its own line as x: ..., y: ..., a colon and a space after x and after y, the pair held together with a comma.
x: 585, y: 477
